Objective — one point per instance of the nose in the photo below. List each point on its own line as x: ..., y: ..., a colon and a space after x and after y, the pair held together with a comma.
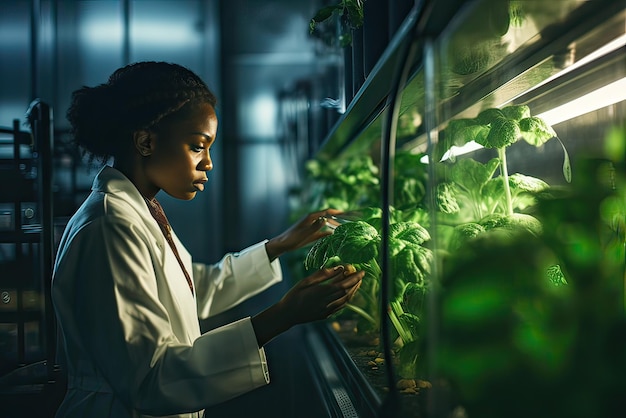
x: 206, y: 164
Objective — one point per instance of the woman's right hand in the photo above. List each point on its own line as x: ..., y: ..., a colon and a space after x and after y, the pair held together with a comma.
x: 321, y: 294
x: 316, y: 297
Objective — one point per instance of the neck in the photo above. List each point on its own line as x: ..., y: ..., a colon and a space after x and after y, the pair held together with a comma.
x: 134, y: 170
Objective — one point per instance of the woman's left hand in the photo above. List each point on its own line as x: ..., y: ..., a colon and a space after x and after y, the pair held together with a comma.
x: 308, y: 229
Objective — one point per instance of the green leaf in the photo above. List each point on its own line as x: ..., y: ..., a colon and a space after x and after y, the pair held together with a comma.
x: 516, y: 112
x: 494, y: 220
x: 354, y: 11
x: 488, y: 116
x: 409, y: 231
x: 354, y: 242
x: 332, y: 262
x: 461, y: 131
x: 556, y: 276
x: 536, y: 131
x: 325, y: 13
x: 446, y: 198
x: 411, y: 265
x: 473, y: 175
x: 567, y: 167
x: 413, y: 297
x: 463, y: 233
x: 322, y: 15
x: 523, y: 183
x: 504, y: 132
x: 316, y: 257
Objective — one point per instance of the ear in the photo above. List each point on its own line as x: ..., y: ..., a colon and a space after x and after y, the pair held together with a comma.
x: 143, y: 142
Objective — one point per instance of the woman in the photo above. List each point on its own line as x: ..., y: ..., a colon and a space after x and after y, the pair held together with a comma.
x: 126, y: 293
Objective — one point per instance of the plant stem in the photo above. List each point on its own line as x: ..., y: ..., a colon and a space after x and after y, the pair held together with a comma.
x: 395, y: 311
x: 505, y: 179
x: 362, y: 313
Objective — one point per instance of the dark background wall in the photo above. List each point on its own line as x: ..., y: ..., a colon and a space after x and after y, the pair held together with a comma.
x: 248, y: 51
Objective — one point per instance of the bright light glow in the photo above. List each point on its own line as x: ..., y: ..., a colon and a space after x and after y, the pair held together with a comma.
x: 455, y: 151
x: 259, y: 115
x: 604, y: 96
x: 615, y: 44
x: 165, y: 33
x: 464, y: 149
x: 101, y: 32
x: 149, y: 33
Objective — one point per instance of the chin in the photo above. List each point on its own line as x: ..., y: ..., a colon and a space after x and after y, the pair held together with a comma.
x: 184, y: 196
x: 189, y: 196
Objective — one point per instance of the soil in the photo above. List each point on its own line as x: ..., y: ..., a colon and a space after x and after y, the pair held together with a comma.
x: 368, y: 357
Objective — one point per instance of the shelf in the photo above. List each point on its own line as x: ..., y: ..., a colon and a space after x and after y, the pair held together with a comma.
x: 12, y: 317
x: 28, y: 235
x: 347, y: 390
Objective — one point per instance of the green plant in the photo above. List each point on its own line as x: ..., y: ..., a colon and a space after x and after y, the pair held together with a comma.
x: 358, y: 243
x: 498, y: 129
x: 343, y: 184
x: 473, y: 199
x: 511, y: 324
x: 350, y: 13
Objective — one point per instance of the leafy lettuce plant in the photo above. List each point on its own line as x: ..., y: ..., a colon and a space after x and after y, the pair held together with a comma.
x: 474, y: 199
x: 498, y: 129
x: 358, y: 243
x: 342, y: 184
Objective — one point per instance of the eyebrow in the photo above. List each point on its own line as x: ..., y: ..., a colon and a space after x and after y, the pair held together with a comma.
x: 206, y: 136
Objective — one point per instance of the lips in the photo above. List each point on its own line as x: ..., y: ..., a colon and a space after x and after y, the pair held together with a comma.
x: 199, y: 185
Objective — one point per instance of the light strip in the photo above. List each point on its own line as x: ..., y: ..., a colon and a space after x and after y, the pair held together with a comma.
x: 604, y: 96
x: 454, y: 151
x: 615, y: 44
x: 612, y: 93
x: 464, y: 149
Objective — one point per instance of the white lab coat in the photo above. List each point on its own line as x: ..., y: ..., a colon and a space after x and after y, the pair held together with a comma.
x: 129, y: 321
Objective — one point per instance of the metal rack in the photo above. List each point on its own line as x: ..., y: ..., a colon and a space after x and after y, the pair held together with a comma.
x: 28, y: 337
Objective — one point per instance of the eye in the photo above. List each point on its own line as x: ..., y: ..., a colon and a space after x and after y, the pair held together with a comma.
x: 197, y: 148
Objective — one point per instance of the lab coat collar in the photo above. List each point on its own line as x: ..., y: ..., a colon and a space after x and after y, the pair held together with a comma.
x: 111, y: 180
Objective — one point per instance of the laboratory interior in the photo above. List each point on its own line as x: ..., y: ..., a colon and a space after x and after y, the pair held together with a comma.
x: 474, y: 152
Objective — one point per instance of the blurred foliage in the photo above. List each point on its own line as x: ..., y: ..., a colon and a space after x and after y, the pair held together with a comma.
x: 350, y: 15
x: 515, y: 339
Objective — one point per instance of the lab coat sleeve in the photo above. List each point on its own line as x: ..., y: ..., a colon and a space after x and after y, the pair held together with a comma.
x: 106, y: 291
x: 237, y: 277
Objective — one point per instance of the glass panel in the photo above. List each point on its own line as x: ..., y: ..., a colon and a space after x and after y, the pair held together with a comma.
x: 410, y: 253
x: 529, y: 209
x: 351, y: 180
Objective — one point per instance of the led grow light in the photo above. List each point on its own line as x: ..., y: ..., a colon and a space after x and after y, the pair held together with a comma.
x: 604, y: 96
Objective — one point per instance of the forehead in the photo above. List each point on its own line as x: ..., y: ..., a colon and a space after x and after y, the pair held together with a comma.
x: 192, y: 115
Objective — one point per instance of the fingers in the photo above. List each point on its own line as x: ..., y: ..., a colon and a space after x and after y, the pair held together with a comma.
x: 345, y: 289
x: 333, y: 288
x: 346, y: 282
x: 341, y: 301
x: 325, y: 274
x: 320, y: 217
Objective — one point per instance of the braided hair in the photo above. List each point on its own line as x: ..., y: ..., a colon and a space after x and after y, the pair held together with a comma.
x: 135, y: 97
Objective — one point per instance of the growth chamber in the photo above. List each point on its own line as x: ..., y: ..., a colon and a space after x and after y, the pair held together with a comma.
x: 481, y: 168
